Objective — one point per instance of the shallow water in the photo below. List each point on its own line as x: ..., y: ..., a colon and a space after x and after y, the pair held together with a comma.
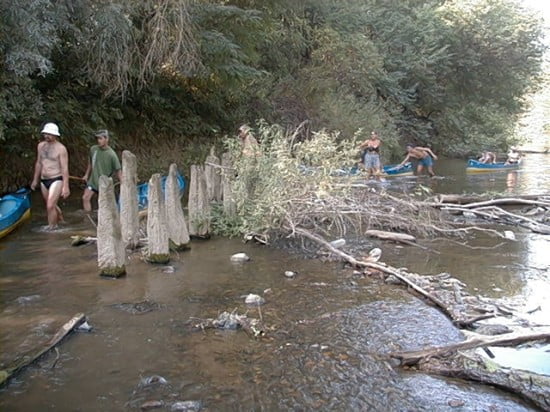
x: 328, y: 329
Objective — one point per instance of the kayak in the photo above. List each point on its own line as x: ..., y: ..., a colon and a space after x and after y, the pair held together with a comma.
x: 387, y: 171
x: 397, y: 170
x: 143, y: 190
x: 475, y: 166
x: 15, y: 208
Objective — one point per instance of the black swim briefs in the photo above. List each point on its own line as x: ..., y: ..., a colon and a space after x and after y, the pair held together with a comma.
x: 48, y: 182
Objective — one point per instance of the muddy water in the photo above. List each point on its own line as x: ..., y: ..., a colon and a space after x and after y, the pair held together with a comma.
x: 328, y: 329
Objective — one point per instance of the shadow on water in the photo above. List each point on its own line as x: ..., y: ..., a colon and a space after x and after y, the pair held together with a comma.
x: 328, y: 329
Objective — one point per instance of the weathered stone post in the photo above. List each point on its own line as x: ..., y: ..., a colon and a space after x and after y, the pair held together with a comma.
x: 227, y: 193
x: 212, y: 174
x: 199, y: 207
x: 157, y: 233
x: 111, y: 253
x: 177, y: 226
x: 129, y: 219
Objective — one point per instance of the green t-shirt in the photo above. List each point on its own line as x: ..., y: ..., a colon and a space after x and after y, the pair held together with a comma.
x: 104, y: 163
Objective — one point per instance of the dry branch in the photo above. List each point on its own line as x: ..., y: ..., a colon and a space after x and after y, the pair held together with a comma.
x: 474, y: 341
x: 31, y: 357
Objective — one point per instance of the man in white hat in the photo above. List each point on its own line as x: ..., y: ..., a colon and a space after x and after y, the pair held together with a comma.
x: 51, y: 172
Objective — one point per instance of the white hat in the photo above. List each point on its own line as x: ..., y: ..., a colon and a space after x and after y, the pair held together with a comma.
x: 50, y: 128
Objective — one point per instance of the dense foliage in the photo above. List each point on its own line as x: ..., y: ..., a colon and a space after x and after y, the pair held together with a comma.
x: 448, y: 73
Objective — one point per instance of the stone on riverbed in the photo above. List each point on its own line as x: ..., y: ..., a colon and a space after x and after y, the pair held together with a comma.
x: 153, y: 379
x: 187, y: 406
x: 240, y: 257
x: 254, y: 300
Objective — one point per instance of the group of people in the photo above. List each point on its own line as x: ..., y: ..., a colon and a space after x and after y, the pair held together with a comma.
x: 370, y: 156
x: 513, y: 157
x: 51, y: 171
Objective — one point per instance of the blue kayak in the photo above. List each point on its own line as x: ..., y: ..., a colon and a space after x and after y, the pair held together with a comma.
x: 388, y: 170
x: 143, y: 190
x: 15, y: 208
x: 475, y: 166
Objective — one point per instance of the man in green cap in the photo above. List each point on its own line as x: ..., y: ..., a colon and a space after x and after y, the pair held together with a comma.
x: 103, y: 161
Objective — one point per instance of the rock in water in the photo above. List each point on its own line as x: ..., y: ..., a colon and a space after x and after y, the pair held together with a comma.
x: 290, y: 274
x: 374, y: 255
x: 255, y: 300
x: 240, y: 257
x: 338, y: 243
x: 508, y: 234
x: 187, y: 406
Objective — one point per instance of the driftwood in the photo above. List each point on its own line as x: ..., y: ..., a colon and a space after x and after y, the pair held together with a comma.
x: 465, y: 199
x: 474, y: 341
x: 432, y: 288
x: 461, y: 361
x: 24, y: 361
x: 396, y: 237
x: 498, y: 214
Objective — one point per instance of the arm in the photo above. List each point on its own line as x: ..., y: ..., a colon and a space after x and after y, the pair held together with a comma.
x: 404, y: 160
x: 64, y: 161
x: 37, y: 169
x: 88, y: 170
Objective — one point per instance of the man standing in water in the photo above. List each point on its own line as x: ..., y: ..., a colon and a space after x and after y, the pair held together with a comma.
x: 425, y: 158
x: 51, y: 172
x: 370, y: 154
x: 249, y: 144
x: 103, y: 161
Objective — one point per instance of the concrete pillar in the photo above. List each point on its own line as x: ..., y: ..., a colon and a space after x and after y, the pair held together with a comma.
x: 212, y: 174
x: 129, y: 219
x: 199, y: 207
x: 177, y: 226
x: 157, y: 233
x: 111, y: 253
x: 228, y: 175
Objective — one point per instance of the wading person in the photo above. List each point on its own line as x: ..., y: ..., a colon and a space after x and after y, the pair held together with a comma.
x: 513, y: 156
x: 249, y: 144
x: 370, y: 154
x: 51, y: 172
x: 425, y: 158
x: 102, y: 161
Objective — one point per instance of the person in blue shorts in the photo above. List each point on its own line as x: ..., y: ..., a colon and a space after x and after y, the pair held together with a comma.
x: 425, y: 158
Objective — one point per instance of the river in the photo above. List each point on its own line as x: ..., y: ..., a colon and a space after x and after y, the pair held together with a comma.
x: 328, y: 329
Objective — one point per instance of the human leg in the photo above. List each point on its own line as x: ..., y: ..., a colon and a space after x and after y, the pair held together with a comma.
x: 87, y: 199
x: 53, y: 210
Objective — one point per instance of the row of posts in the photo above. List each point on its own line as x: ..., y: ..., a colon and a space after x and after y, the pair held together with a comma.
x: 167, y: 228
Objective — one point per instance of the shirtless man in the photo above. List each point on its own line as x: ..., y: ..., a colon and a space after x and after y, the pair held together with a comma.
x: 51, y: 172
x: 487, y: 157
x: 425, y: 158
x: 370, y: 149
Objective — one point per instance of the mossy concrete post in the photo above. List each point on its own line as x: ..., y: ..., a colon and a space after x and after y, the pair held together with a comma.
x: 227, y: 180
x: 129, y: 219
x: 177, y: 226
x: 157, y: 233
x: 111, y: 253
x: 212, y: 174
x: 199, y: 206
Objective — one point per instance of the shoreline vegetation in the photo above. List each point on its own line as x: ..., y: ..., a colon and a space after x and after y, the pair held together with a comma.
x: 175, y: 79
